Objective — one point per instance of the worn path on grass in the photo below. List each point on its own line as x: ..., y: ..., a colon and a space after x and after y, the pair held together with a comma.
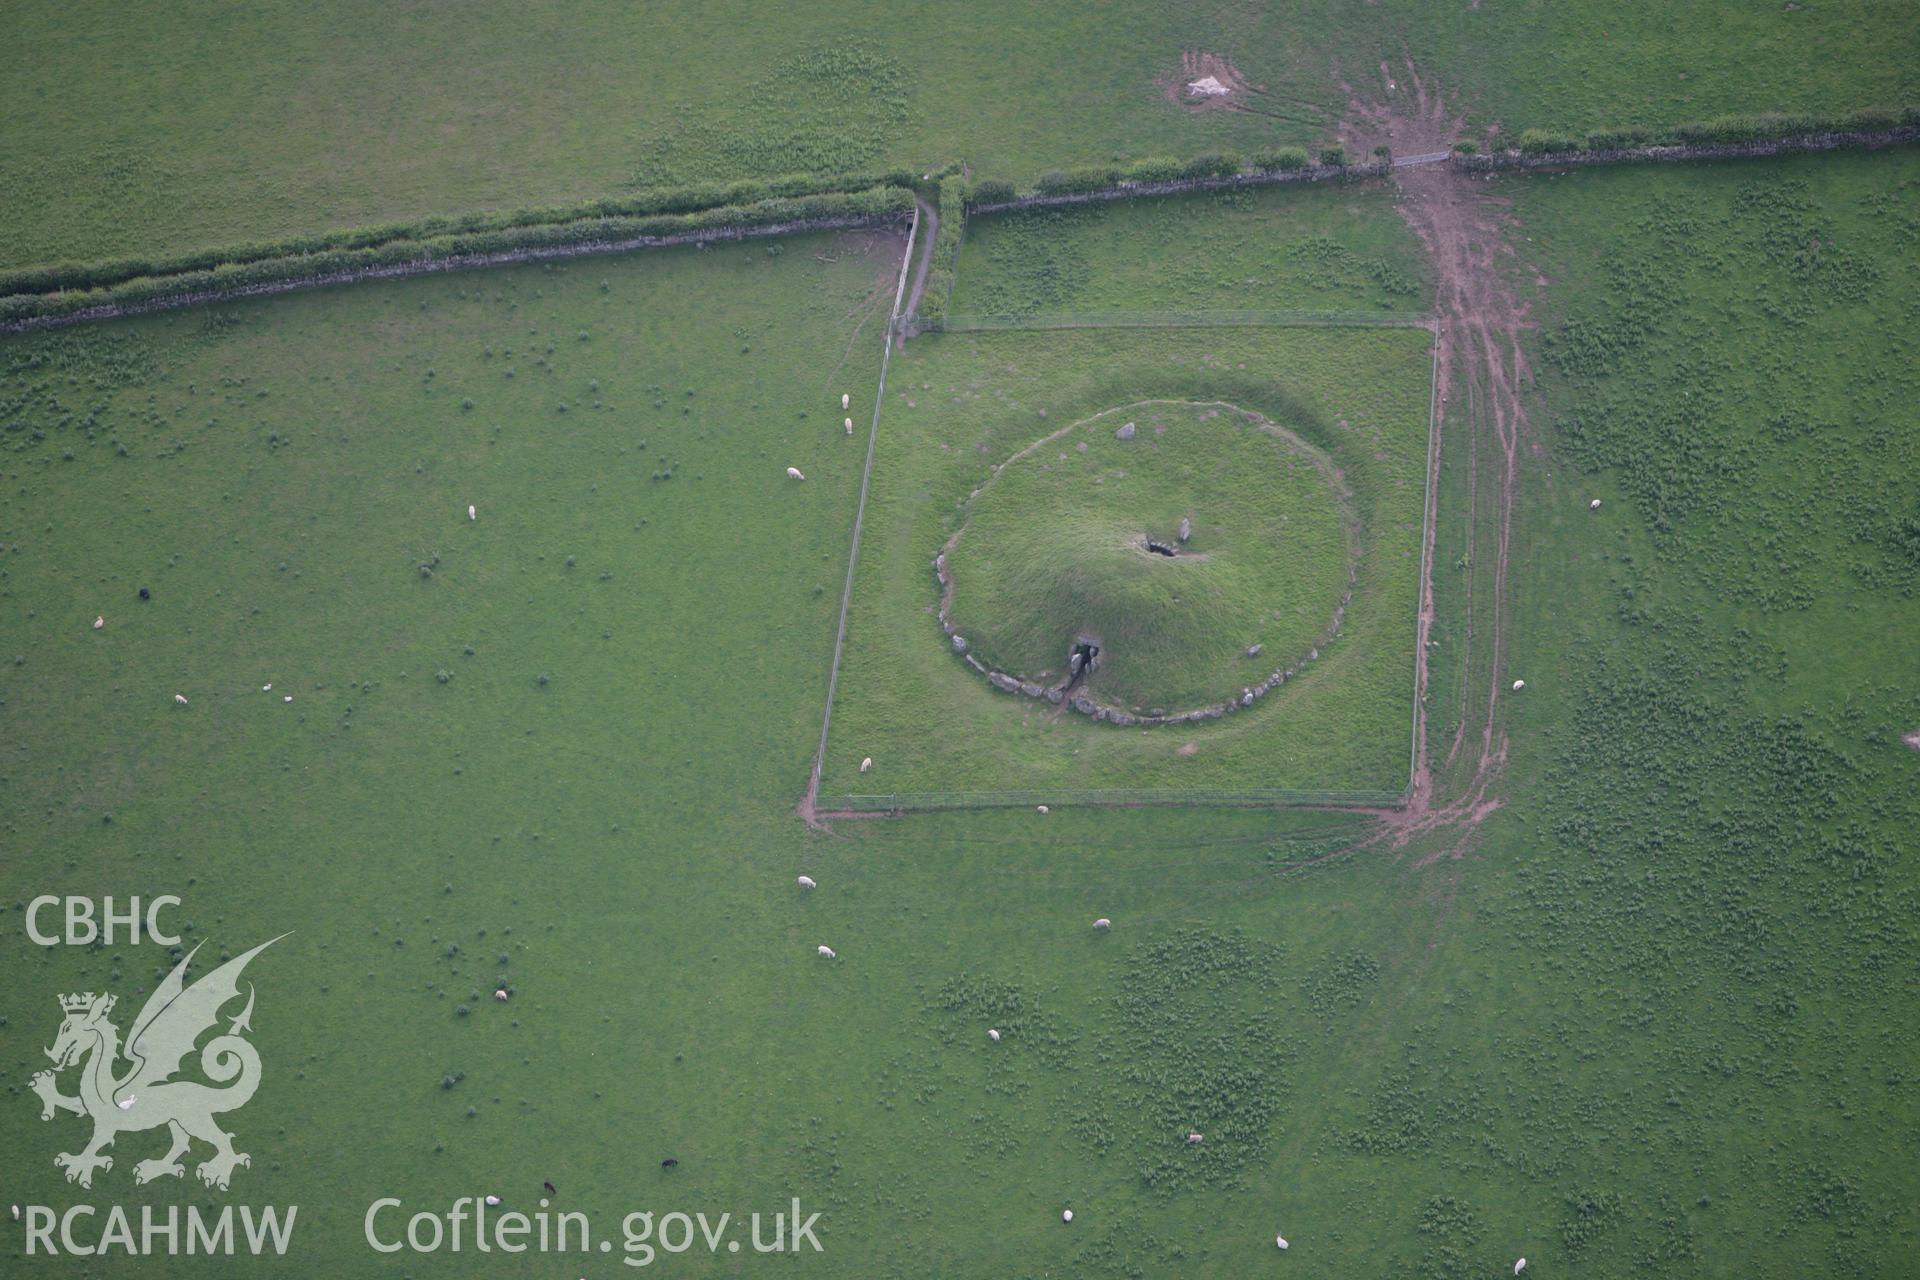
x: 1482, y: 375
x: 929, y: 233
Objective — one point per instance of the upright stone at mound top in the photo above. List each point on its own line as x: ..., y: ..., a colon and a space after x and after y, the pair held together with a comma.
x: 1186, y: 528
x: 1125, y: 433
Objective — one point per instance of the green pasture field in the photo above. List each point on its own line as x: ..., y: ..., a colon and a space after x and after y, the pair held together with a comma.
x: 166, y: 127
x: 555, y: 746
x: 1590, y: 64
x: 1675, y: 985
x: 1334, y: 247
x: 1654, y: 1015
x: 958, y: 404
x: 1650, y: 1013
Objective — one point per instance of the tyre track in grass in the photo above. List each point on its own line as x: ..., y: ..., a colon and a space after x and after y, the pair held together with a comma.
x: 1479, y: 358
x: 1480, y: 364
x: 930, y: 223
x: 1482, y: 377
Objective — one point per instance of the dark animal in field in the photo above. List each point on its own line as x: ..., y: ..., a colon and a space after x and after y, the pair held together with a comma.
x: 669, y: 1163
x: 550, y: 1188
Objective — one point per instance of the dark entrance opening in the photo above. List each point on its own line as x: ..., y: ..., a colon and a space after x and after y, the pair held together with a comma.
x: 1080, y: 661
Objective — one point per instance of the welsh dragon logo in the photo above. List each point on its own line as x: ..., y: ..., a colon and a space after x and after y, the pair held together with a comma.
x: 145, y: 1095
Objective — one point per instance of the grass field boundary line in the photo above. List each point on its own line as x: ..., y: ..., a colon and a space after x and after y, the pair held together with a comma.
x: 924, y: 214
x: 807, y: 802
x: 430, y: 266
x: 650, y: 202
x: 1184, y: 186
x: 1287, y: 797
x: 1424, y: 590
x: 1688, y: 152
x: 1785, y: 144
x: 1290, y: 797
x: 1300, y: 319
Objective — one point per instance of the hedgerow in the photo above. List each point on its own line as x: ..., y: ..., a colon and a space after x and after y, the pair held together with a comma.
x: 675, y: 200
x: 1213, y: 164
x: 1155, y: 169
x: 1723, y: 130
x: 1281, y: 158
x: 1159, y: 171
x: 1087, y: 178
x: 877, y: 202
x: 992, y: 191
x: 67, y: 287
x: 1538, y: 141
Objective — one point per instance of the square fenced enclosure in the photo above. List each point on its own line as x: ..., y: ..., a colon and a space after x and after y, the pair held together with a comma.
x: 1139, y: 565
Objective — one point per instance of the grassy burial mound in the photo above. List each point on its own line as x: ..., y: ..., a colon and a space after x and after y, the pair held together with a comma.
x: 1162, y: 557
x: 964, y: 406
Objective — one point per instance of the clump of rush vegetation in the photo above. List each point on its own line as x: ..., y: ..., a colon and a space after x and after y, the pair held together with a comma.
x: 1698, y: 444
x: 60, y: 388
x: 827, y: 108
x: 1703, y: 907
x: 1033, y: 260
x: 1197, y: 1050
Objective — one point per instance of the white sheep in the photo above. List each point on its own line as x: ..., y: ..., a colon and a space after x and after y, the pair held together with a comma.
x: 493, y: 1200
x: 849, y: 426
x: 471, y: 513
x: 288, y: 698
x: 100, y: 622
x: 180, y: 698
x: 267, y: 687
x: 499, y: 993
x: 1518, y: 685
x: 1280, y: 1242
x: 1193, y: 1139
x: 806, y: 882
x: 827, y: 953
x: 1591, y: 506
x: 793, y: 473
x: 845, y: 400
x: 1521, y: 1265
x: 1103, y: 923
x: 993, y: 1034
x: 125, y: 1104
x: 16, y: 1213
x: 866, y: 764
x: 1042, y: 808
x: 1066, y: 1215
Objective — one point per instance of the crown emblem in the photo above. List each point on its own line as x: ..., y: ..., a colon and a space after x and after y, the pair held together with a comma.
x: 168, y: 1031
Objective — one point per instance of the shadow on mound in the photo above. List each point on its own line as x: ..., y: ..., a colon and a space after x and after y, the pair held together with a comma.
x: 1051, y: 589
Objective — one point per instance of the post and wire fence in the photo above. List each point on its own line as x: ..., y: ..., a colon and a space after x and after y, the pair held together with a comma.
x: 1116, y: 797
x: 981, y: 323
